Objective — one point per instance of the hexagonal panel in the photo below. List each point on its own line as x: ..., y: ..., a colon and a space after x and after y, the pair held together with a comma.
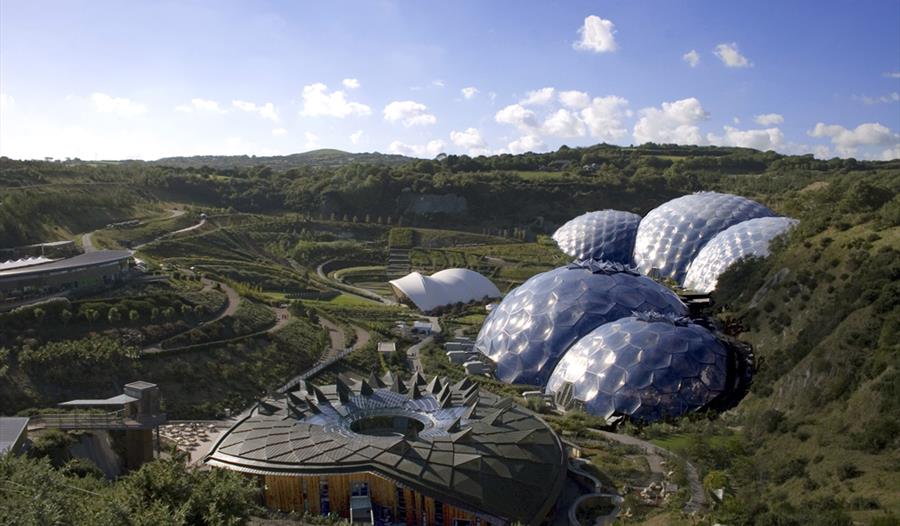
x: 663, y: 360
x: 607, y: 235
x: 671, y: 235
x: 587, y: 294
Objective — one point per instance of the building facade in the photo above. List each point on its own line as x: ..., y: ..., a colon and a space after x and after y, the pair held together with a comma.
x: 387, y: 451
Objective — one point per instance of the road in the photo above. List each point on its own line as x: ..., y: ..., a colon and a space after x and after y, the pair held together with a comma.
x: 655, y: 455
x: 87, y: 242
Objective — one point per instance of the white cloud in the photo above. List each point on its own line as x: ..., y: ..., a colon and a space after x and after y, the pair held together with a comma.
x: 605, y: 117
x: 318, y: 102
x: 847, y: 141
x: 884, y: 99
x: 120, y: 106
x: 891, y: 153
x: 266, y: 111
x: 692, y: 58
x: 563, y: 124
x: 538, y: 96
x: 312, y: 141
x: 204, y: 105
x: 731, y: 57
x: 198, y: 104
x: 517, y: 115
x: 356, y: 136
x: 768, y: 119
x: 596, y: 35
x: 765, y: 139
x: 574, y: 99
x: 526, y: 143
x: 492, y: 95
x: 409, y: 112
x: 674, y: 122
x: 471, y: 140
x: 350, y: 83
x: 438, y: 83
x: 429, y: 150
x: 469, y: 92
x: 6, y: 102
x: 893, y: 75
x: 278, y: 132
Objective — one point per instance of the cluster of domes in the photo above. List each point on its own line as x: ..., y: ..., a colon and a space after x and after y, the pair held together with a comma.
x: 668, y: 240
x: 600, y: 335
x: 527, y: 333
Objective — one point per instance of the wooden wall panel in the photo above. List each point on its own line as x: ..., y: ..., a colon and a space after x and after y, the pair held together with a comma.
x: 285, y: 493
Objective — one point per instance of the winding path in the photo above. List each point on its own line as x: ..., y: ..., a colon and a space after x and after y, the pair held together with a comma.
x: 350, y: 289
x: 233, y: 299
x: 655, y: 455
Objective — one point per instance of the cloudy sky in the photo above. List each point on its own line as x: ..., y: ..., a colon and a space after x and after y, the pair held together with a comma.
x: 113, y: 80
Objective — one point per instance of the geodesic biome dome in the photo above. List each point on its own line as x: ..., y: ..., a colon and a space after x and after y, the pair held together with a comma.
x: 749, y: 238
x: 645, y: 367
x: 605, y: 235
x: 671, y: 235
x: 527, y: 333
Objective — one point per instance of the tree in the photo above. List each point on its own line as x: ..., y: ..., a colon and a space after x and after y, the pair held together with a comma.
x: 133, y: 315
x: 154, y: 313
x: 114, y: 315
x: 65, y: 316
x: 39, y: 314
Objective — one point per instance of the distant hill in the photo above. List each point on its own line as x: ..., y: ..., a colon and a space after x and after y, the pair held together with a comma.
x: 325, y: 157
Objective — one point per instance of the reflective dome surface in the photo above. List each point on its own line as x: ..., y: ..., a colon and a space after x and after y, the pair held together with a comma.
x: 750, y: 238
x: 526, y: 334
x: 644, y: 367
x: 672, y: 234
x: 606, y: 235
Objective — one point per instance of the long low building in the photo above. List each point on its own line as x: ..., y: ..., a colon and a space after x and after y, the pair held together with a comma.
x: 88, y: 271
x: 447, y: 287
x: 399, y: 452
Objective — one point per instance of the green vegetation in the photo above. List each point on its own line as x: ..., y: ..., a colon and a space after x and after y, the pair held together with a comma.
x: 162, y: 492
x: 815, y: 437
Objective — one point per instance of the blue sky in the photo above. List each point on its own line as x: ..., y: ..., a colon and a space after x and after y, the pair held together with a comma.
x: 113, y: 80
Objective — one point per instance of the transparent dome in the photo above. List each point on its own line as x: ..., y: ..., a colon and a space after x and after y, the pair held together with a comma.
x: 672, y: 234
x: 526, y: 334
x: 606, y: 235
x: 644, y: 367
x: 750, y: 238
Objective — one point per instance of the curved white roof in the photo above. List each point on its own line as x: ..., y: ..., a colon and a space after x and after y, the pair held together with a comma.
x: 447, y: 287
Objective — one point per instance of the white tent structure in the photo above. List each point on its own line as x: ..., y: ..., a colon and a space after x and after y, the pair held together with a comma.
x: 447, y: 287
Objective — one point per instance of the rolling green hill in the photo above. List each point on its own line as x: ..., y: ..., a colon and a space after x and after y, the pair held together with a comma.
x: 322, y: 158
x: 817, y: 435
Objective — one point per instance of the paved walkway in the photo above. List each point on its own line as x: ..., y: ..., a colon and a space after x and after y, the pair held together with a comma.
x: 87, y: 244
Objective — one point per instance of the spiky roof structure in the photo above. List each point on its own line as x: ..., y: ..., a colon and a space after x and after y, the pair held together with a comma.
x: 474, y: 450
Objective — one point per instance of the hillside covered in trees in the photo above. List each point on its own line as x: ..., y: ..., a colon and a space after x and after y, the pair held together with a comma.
x: 818, y: 432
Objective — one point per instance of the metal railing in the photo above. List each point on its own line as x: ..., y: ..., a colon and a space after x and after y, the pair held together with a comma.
x: 314, y: 370
x: 111, y: 420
